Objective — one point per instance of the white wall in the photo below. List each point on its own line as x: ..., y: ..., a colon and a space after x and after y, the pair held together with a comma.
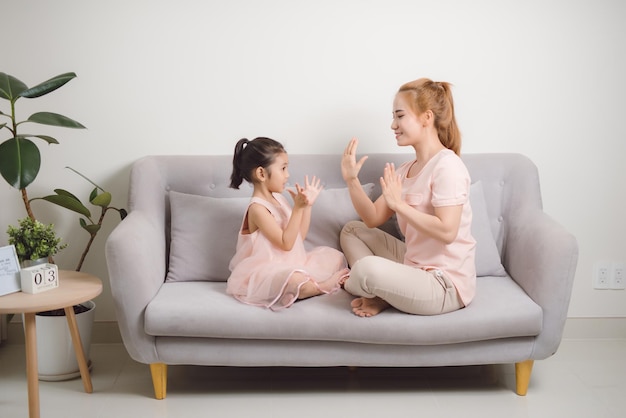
x: 543, y: 78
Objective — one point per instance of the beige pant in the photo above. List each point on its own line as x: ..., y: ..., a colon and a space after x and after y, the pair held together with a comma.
x: 376, y: 259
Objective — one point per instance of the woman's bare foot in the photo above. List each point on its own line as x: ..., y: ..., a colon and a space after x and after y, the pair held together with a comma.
x: 366, y: 307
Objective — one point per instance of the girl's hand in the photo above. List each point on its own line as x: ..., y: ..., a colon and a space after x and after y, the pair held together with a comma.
x: 391, y: 185
x: 312, y: 190
x: 349, y: 166
x: 299, y: 198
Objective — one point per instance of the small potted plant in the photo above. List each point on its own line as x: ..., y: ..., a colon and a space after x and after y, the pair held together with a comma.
x: 34, y: 242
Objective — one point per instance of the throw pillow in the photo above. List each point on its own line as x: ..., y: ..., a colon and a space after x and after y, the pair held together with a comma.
x: 331, y: 211
x: 203, y: 236
x: 487, y: 256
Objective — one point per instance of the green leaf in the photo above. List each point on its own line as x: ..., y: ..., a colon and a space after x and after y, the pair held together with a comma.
x: 11, y: 87
x: 48, y: 139
x: 47, y: 86
x: 103, y: 200
x: 64, y: 192
x: 91, y: 228
x: 20, y: 161
x: 54, y: 119
x: 68, y: 202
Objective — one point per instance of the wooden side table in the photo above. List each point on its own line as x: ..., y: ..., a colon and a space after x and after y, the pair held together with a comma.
x: 74, y: 288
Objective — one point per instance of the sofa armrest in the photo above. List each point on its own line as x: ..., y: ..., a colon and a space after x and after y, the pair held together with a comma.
x: 541, y: 256
x: 136, y: 257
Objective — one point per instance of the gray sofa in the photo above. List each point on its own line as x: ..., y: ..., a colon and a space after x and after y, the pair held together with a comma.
x: 168, y: 261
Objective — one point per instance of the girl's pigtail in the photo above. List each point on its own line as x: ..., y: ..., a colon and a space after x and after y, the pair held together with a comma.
x: 236, y: 178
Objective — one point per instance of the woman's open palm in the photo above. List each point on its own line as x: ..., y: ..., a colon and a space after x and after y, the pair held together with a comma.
x: 350, y: 167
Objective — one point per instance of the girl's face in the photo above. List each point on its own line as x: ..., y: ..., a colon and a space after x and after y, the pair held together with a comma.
x: 407, y: 126
x: 278, y: 173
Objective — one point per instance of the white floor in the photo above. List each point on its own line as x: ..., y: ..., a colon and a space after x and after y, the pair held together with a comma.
x: 586, y: 378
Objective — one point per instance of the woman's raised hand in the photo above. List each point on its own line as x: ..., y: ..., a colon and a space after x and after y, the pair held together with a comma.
x: 391, y: 186
x: 350, y: 167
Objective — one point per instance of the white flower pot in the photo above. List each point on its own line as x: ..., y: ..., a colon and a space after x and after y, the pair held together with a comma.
x: 56, y: 358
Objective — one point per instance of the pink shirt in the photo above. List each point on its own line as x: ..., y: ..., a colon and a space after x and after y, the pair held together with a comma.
x: 444, y: 181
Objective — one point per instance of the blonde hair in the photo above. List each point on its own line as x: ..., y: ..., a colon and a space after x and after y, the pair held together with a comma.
x: 435, y: 96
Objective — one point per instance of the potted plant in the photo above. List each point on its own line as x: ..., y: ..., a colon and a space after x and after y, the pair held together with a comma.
x: 34, y: 242
x: 20, y: 161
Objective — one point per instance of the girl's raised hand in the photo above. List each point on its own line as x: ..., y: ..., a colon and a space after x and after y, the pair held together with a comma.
x: 298, y: 196
x: 312, y: 189
x: 349, y: 166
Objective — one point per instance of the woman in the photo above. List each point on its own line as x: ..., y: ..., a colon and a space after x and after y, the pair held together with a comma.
x: 432, y: 271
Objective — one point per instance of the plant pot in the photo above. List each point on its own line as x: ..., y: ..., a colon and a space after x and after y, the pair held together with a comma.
x: 30, y: 263
x: 56, y: 358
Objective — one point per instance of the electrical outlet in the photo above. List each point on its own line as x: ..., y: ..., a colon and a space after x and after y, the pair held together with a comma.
x: 602, y: 275
x: 617, y: 276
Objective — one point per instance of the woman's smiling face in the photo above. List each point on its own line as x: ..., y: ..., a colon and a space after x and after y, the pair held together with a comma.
x: 406, y: 125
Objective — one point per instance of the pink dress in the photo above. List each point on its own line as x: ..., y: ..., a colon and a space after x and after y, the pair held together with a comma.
x: 260, y: 271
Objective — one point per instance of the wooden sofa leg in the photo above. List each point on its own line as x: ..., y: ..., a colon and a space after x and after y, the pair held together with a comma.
x: 159, y: 379
x: 522, y: 376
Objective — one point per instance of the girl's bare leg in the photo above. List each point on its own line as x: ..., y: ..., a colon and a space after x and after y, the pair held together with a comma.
x: 307, y: 289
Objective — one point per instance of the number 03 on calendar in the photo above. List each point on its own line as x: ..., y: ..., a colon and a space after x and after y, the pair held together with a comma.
x: 39, y: 278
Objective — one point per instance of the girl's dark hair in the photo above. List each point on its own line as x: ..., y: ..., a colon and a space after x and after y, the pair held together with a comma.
x: 249, y: 155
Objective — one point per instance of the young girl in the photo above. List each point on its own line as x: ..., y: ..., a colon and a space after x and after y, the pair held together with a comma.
x: 433, y: 271
x: 271, y: 267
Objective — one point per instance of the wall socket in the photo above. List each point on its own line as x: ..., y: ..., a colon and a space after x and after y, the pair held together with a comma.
x: 617, y: 275
x: 609, y: 275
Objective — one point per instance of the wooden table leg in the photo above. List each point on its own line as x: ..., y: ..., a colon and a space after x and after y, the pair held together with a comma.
x: 30, y: 336
x: 78, y: 349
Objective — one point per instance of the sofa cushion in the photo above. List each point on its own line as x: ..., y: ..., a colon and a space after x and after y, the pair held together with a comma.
x: 501, y: 309
x: 203, y: 236
x: 331, y: 211
x: 204, y: 230
x: 487, y: 256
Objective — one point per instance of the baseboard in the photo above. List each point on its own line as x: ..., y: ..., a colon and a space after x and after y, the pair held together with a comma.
x: 107, y: 332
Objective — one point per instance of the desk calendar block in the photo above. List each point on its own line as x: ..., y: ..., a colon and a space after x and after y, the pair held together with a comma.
x: 37, y: 279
